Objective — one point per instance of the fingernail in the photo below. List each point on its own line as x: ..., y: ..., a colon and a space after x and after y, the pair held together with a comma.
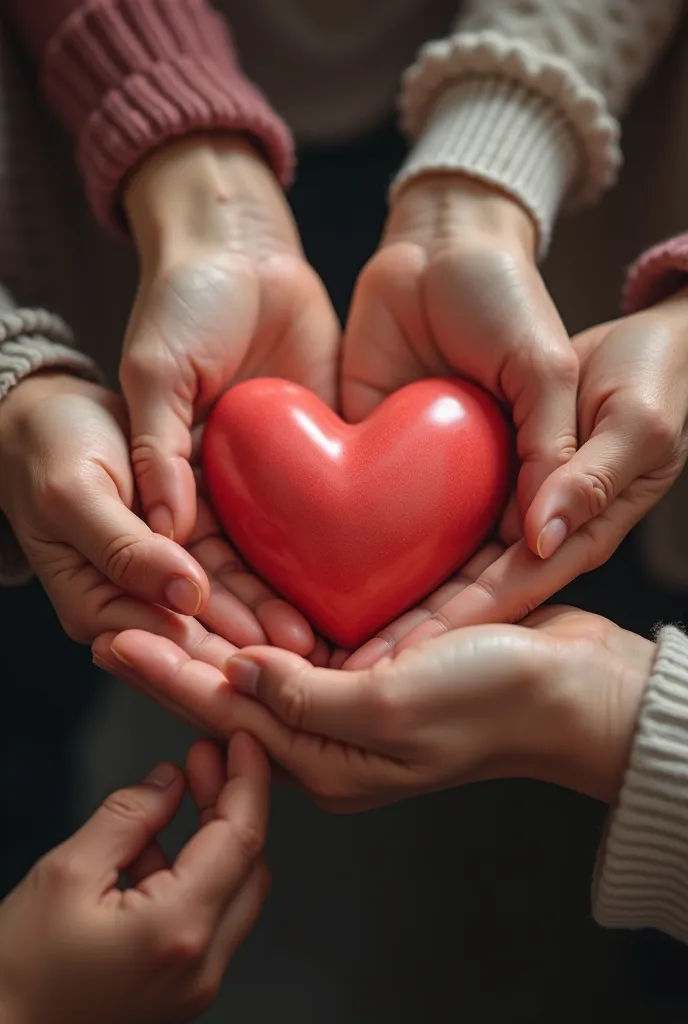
x: 162, y: 775
x: 161, y: 521
x: 184, y: 596
x: 120, y: 657
x: 99, y: 663
x: 244, y: 675
x: 552, y: 535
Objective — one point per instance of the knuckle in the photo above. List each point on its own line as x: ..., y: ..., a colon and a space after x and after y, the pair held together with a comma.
x: 390, y: 712
x: 250, y: 841
x: 119, y: 558
x: 125, y: 805
x: 655, y: 428
x: 183, y: 945
x: 59, y: 869
x: 597, y: 488
x: 57, y: 492
x: 294, y: 702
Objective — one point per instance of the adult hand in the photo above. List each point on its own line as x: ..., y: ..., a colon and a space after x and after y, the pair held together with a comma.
x: 633, y: 416
x: 225, y: 294
x: 556, y: 701
x: 67, y: 489
x: 454, y: 289
x: 71, y: 941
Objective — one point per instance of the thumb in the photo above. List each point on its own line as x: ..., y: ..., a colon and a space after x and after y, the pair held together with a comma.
x: 343, y: 706
x: 584, y: 488
x: 125, y: 550
x: 160, y: 405
x: 125, y: 824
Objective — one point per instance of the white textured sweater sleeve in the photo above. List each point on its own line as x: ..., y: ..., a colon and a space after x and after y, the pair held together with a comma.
x: 525, y: 95
x: 31, y: 340
x: 642, y: 876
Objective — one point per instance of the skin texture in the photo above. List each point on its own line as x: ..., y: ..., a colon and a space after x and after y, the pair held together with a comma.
x: 555, y: 699
x: 155, y: 952
x: 67, y: 488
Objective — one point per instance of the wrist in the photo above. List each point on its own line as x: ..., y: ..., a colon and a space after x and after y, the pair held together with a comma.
x: 205, y: 190
x: 439, y: 208
x: 598, y: 712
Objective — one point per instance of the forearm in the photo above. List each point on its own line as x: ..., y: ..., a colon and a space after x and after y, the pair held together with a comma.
x: 126, y: 76
x: 528, y: 101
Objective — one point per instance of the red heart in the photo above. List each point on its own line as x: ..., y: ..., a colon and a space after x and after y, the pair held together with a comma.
x: 354, y: 524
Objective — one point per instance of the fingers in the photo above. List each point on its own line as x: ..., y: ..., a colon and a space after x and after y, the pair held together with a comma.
x: 129, y: 554
x: 151, y: 860
x: 342, y: 706
x: 214, y: 864
x: 206, y: 774
x: 241, y: 607
x: 384, y: 643
x: 124, y: 827
x: 239, y: 918
x: 160, y: 398
x: 518, y: 582
x: 602, y: 469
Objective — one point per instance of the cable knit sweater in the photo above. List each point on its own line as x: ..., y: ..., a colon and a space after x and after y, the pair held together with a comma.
x: 457, y: 88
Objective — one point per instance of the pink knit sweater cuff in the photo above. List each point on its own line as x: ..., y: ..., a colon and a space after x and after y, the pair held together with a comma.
x: 128, y: 75
x: 658, y: 273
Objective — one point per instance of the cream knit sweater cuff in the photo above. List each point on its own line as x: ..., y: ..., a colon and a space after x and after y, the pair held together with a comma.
x: 642, y: 877
x: 503, y: 111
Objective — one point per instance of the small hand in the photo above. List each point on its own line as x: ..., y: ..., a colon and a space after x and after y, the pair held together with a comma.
x: 71, y: 941
x: 557, y: 701
x: 225, y: 294
x: 67, y: 489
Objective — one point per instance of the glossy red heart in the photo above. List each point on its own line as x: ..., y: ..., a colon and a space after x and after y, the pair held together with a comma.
x: 353, y: 524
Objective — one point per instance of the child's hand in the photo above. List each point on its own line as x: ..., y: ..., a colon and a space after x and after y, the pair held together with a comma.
x: 74, y: 948
x: 225, y: 294
x: 67, y: 488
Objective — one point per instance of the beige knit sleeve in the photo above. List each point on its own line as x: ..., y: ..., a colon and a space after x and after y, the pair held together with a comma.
x: 642, y: 874
x: 525, y: 94
x: 31, y: 340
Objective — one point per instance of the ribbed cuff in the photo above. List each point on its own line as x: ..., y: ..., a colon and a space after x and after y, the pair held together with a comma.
x: 504, y: 134
x: 563, y: 93
x: 642, y: 879
x: 32, y: 340
x: 658, y: 273
x: 129, y: 75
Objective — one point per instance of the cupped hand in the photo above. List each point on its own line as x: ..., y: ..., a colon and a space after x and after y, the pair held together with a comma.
x: 555, y: 699
x: 633, y: 425
x: 454, y: 289
x: 67, y: 489
x: 74, y: 947
x: 225, y: 294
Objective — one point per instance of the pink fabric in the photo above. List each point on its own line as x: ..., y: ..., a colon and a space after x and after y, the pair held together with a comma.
x: 128, y: 75
x: 658, y: 273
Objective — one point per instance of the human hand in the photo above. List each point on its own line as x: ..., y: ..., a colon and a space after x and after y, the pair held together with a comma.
x: 633, y: 416
x: 555, y: 699
x: 67, y: 489
x: 225, y: 294
x: 70, y: 941
x: 454, y: 289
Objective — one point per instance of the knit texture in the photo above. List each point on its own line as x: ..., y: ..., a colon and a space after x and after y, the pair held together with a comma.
x: 127, y: 75
x: 642, y: 881
x: 658, y: 273
x: 576, y: 64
